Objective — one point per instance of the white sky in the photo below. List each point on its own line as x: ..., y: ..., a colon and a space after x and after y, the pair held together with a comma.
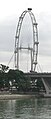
x: 11, y: 7
x: 42, y: 12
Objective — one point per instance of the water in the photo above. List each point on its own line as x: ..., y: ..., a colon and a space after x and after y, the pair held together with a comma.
x: 30, y: 108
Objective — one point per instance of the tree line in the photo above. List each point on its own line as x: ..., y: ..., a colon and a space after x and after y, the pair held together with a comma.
x: 15, y: 79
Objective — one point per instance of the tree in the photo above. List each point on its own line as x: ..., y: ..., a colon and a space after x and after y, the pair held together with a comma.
x: 19, y: 80
x: 3, y: 68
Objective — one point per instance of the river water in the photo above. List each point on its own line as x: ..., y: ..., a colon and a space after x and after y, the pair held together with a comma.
x: 29, y: 108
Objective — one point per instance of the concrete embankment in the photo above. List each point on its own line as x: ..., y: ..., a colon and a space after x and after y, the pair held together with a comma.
x: 47, y: 95
x: 14, y: 96
x: 19, y: 96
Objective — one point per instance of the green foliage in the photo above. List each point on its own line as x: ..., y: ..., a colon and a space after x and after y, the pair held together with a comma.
x: 17, y: 79
x: 3, y: 68
x: 40, y: 84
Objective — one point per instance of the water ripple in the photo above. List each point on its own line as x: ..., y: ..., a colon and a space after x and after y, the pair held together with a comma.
x: 30, y: 108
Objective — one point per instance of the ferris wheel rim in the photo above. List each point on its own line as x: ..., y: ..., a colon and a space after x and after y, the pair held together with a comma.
x: 18, y: 30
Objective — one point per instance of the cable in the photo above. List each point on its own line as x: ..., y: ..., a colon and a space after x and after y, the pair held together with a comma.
x: 40, y: 68
x: 10, y: 59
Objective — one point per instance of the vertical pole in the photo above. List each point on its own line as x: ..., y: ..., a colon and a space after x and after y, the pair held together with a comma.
x: 18, y: 54
x: 15, y: 54
x: 33, y: 46
x: 17, y: 59
x: 31, y: 61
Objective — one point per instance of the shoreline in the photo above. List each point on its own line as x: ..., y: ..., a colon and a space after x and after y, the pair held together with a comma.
x: 19, y: 96
x: 14, y: 96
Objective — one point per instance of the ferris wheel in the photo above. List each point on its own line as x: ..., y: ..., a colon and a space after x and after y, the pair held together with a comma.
x: 34, y: 49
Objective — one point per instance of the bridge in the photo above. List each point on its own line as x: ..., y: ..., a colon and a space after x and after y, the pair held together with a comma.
x: 38, y: 75
x: 45, y: 77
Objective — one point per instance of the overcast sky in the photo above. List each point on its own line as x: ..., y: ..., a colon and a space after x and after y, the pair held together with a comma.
x: 10, y: 11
